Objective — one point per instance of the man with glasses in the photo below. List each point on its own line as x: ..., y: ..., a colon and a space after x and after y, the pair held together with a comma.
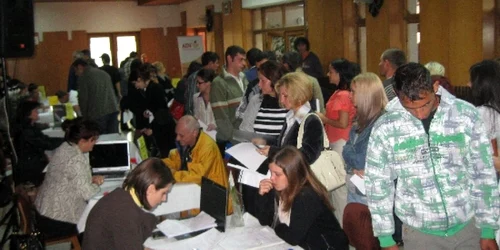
x: 436, y: 146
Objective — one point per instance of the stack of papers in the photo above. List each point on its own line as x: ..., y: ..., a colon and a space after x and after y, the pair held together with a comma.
x: 172, y: 228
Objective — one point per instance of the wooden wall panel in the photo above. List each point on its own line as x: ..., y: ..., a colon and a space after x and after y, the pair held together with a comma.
x: 451, y: 33
x: 237, y: 27
x: 172, y: 62
x: 325, y: 29
x: 489, y: 29
x: 50, y: 64
x: 350, y: 26
x: 386, y: 30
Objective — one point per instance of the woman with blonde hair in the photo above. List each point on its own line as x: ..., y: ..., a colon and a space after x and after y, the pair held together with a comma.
x: 369, y: 99
x: 295, y: 91
x: 296, y: 204
x: 164, y: 80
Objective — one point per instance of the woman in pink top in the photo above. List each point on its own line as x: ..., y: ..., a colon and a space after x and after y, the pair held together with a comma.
x: 340, y: 111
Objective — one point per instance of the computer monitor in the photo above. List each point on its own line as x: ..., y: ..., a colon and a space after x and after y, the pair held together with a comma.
x: 213, y: 201
x: 110, y: 156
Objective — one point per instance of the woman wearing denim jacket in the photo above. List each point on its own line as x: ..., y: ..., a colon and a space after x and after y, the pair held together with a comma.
x: 369, y: 99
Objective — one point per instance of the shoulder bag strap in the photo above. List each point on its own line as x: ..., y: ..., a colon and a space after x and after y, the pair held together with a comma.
x: 326, y: 143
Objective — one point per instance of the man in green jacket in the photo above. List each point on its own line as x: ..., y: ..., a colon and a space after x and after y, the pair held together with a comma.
x: 226, y: 93
x: 435, y: 145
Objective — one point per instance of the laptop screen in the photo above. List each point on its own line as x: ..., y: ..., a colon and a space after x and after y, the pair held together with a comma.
x: 110, y: 156
x: 59, y: 112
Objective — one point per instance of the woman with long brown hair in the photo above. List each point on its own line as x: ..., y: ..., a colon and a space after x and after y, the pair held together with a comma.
x: 296, y: 204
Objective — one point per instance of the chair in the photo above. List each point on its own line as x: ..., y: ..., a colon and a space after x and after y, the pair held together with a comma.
x: 358, y: 227
x: 26, y: 215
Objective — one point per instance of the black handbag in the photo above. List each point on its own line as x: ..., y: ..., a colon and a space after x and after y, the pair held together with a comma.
x: 32, y: 241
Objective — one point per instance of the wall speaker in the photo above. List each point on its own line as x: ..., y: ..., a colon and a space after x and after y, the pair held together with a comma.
x: 17, y: 32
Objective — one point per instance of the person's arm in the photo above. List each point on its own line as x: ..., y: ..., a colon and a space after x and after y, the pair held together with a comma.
x: 312, y: 140
x: 132, y: 233
x: 79, y: 174
x: 199, y: 167
x: 83, y: 97
x: 173, y: 161
x: 305, y: 209
x: 379, y: 182
x: 118, y: 91
x: 484, y: 190
x: 342, y: 122
x: 264, y: 207
x: 220, y: 108
x: 40, y: 140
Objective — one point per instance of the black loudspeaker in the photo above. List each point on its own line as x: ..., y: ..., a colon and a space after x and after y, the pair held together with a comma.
x: 17, y: 32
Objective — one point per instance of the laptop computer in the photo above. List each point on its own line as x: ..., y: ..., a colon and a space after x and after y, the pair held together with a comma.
x: 110, y: 158
x: 59, y: 113
x: 213, y: 201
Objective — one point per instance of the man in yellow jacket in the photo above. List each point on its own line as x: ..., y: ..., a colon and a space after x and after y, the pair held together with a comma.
x: 196, y: 156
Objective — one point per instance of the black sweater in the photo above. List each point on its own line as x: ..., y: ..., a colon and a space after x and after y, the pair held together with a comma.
x: 312, y: 224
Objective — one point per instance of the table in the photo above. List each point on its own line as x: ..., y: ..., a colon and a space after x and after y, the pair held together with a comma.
x: 183, y: 196
x: 251, y: 236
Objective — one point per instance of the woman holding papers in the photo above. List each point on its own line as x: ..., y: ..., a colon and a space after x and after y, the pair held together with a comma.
x: 68, y: 183
x: 118, y: 220
x: 369, y: 98
x: 296, y: 204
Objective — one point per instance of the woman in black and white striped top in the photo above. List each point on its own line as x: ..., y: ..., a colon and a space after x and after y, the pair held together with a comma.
x: 271, y: 115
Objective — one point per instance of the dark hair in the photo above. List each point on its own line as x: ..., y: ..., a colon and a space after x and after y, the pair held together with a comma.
x: 347, y: 71
x: 145, y: 71
x: 396, y: 57
x: 193, y: 67
x: 252, y: 56
x: 86, y: 52
x: 273, y: 71
x: 207, y: 75
x: 411, y: 80
x: 78, y: 129
x: 485, y: 81
x: 209, y: 57
x: 134, y: 70
x: 293, y: 60
x: 61, y: 93
x: 299, y: 175
x: 299, y: 41
x: 233, y: 51
x: 151, y: 171
x: 270, y: 55
x: 32, y: 87
x: 261, y: 56
x: 24, y: 110
x: 79, y: 62
x: 444, y: 82
x: 105, y: 58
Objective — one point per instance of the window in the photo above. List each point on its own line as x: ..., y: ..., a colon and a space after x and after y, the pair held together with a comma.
x: 275, y: 28
x: 117, y: 45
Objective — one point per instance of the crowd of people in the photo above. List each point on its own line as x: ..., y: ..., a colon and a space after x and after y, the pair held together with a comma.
x: 429, y: 160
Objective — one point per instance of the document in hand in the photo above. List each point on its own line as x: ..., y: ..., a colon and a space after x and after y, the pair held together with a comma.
x: 246, y: 153
x: 172, y: 228
x: 211, y: 133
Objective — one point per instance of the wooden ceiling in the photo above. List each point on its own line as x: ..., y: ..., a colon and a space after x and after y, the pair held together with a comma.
x: 140, y: 2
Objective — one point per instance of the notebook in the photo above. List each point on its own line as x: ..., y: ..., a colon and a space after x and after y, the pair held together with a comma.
x: 110, y: 158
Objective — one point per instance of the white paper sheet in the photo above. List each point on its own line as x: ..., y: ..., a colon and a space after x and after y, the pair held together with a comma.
x: 359, y: 183
x: 127, y: 116
x: 206, y: 240
x: 246, y: 153
x: 172, y: 228
x: 211, y: 133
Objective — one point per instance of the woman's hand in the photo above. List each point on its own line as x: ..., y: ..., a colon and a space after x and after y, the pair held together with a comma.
x: 98, y: 179
x: 265, y: 186
x: 264, y: 151
x: 322, y: 117
x: 360, y: 173
x: 211, y: 127
x: 259, y: 141
x: 147, y: 131
x: 147, y: 113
